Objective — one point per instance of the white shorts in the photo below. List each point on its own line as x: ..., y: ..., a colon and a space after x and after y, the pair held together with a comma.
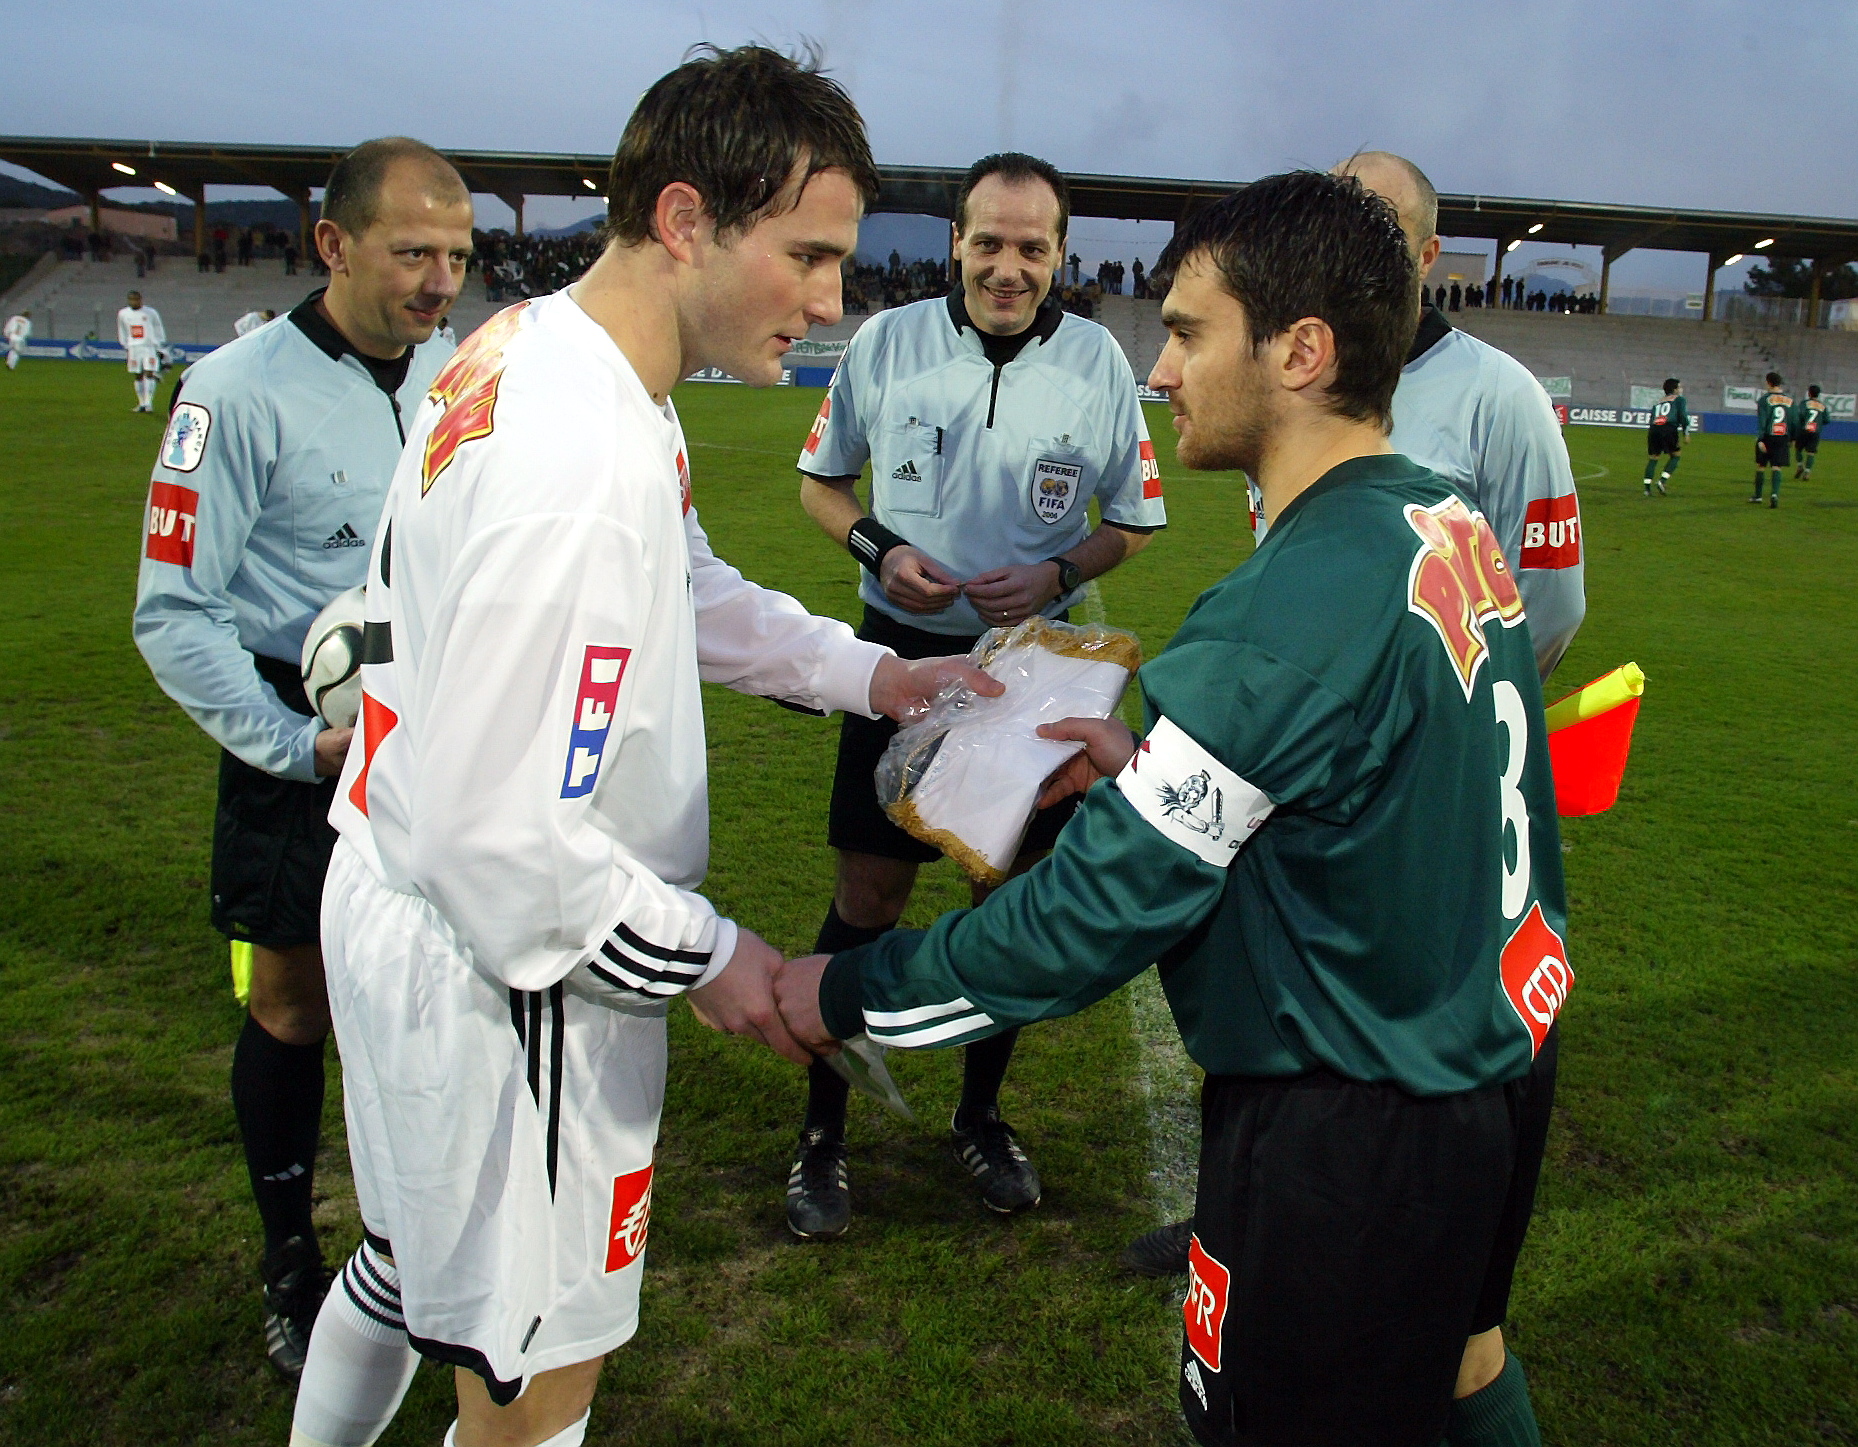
x: 502, y: 1141
x: 144, y: 359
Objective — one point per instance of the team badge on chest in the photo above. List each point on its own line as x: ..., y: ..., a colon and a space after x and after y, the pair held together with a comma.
x: 1055, y: 487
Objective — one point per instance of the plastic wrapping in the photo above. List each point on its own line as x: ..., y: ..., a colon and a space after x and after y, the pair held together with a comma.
x: 967, y: 776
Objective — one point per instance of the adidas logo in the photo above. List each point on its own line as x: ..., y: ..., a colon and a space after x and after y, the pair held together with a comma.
x: 345, y: 537
x: 907, y: 473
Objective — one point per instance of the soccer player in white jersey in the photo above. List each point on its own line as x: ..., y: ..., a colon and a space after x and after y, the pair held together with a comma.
x: 523, y: 815
x: 253, y: 320
x: 139, y: 330
x: 18, y: 332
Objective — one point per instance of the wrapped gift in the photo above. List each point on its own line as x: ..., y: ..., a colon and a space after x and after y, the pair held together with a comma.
x: 967, y: 777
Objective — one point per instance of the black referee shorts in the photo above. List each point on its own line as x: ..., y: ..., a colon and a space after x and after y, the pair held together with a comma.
x: 1345, y: 1234
x: 271, y: 841
x: 856, y: 822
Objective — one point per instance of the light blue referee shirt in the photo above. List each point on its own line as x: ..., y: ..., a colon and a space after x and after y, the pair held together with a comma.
x: 263, y: 503
x: 983, y: 466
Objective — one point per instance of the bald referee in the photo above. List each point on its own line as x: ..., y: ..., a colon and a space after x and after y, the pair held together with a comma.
x: 1478, y: 418
x: 991, y: 419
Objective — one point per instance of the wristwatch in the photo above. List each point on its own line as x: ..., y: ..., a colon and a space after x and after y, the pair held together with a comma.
x: 1070, y: 576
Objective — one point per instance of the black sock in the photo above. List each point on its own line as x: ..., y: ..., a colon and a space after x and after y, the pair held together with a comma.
x: 277, y: 1094
x: 983, y: 1067
x: 826, y: 1090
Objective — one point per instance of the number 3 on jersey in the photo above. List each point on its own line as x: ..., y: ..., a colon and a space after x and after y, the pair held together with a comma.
x: 1534, y: 963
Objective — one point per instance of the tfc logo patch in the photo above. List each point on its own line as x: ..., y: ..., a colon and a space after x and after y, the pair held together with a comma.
x: 1151, y: 470
x: 1552, y: 533
x: 594, y: 703
x: 467, y: 390
x: 819, y: 425
x: 184, y: 443
x: 1205, y: 1308
x: 683, y: 480
x: 1459, y: 582
x: 631, y: 1219
x: 1055, y: 487
x: 1536, y: 975
x: 171, y: 512
x: 377, y: 721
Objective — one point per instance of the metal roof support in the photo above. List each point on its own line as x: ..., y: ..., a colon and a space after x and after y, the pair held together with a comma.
x: 198, y: 196
x: 1717, y: 258
x: 514, y: 200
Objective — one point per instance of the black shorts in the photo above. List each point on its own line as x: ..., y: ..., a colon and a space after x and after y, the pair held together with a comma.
x: 1660, y: 440
x: 1345, y: 1237
x: 1809, y: 442
x: 856, y: 822
x: 1770, y: 452
x: 271, y: 841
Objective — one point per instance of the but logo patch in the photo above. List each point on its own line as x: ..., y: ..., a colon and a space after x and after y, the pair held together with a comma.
x: 819, y: 425
x: 171, y: 512
x: 1552, y: 533
x: 631, y: 1220
x: 1151, y: 470
x: 1208, y: 1283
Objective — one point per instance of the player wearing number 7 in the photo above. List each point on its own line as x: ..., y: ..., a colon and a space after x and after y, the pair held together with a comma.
x: 1338, y: 839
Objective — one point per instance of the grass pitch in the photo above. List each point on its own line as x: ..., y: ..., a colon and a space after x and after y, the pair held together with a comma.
x: 1691, y: 1273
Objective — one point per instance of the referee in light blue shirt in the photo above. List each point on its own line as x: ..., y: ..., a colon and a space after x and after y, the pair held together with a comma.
x: 262, y: 508
x: 990, y: 419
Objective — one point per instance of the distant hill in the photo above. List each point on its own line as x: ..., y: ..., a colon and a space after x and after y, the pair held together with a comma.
x: 27, y: 195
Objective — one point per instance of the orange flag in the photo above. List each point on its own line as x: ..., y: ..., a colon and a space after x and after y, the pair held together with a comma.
x: 1589, y: 737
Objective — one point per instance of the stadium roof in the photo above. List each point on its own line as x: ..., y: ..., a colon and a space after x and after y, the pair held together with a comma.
x: 89, y: 166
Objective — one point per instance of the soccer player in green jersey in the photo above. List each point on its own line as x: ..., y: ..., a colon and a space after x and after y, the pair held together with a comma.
x: 1809, y: 420
x: 1337, y: 838
x: 1773, y: 429
x: 1664, y: 438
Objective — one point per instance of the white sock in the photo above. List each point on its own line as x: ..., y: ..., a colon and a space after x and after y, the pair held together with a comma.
x: 360, y: 1364
x: 571, y: 1435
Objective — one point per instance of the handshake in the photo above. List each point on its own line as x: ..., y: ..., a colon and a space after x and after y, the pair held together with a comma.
x: 776, y: 1000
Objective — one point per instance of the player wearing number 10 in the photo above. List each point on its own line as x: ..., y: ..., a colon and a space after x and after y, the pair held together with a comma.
x: 1339, y: 841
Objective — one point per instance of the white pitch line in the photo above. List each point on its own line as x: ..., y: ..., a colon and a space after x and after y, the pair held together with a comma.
x: 1598, y: 472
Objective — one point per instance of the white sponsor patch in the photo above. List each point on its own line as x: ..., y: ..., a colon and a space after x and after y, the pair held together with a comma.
x: 1055, y: 487
x: 1189, y: 796
x: 184, y: 443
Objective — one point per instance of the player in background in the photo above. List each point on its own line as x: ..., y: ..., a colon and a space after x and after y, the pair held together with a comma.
x: 446, y: 333
x: 514, y: 902
x: 18, y: 332
x: 1810, y: 418
x: 265, y: 496
x: 1664, y: 438
x: 251, y: 321
x: 1774, y: 422
x: 1338, y: 839
x: 991, y: 418
x: 139, y: 330
x: 1478, y: 418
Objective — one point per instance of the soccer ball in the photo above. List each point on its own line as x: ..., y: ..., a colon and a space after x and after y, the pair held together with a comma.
x: 332, y: 659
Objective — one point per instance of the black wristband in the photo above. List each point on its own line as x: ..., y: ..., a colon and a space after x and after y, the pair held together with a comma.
x: 869, y: 540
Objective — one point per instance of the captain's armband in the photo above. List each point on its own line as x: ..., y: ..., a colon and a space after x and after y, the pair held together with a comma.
x: 1190, y: 797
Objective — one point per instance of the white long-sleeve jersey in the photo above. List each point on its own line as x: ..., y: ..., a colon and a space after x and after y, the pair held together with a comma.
x: 542, y: 605
x: 140, y: 327
x: 18, y: 330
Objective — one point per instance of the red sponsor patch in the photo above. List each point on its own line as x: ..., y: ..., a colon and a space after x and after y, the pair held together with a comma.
x: 1205, y: 1308
x: 467, y: 390
x: 683, y: 480
x: 171, y: 513
x: 1552, y: 533
x: 819, y: 425
x: 631, y: 1219
x: 377, y: 721
x: 136, y: 333
x: 1459, y: 581
x: 1151, y: 470
x: 1536, y: 975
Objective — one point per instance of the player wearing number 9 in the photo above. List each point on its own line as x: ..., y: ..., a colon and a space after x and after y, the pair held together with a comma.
x: 1338, y: 839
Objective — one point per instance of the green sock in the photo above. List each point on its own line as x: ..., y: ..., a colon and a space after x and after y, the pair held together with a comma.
x: 1806, y: 467
x: 1774, y: 489
x: 1498, y: 1416
x: 1651, y: 466
x: 1760, y: 477
x: 1670, y: 468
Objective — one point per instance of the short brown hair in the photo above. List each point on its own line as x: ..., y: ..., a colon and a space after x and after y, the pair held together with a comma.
x: 1309, y: 244
x: 735, y: 125
x: 352, y: 199
x: 1014, y: 167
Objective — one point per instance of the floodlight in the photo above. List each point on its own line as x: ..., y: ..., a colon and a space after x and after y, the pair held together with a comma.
x: 166, y: 189
x: 1513, y: 245
x: 1537, y: 227
x: 1760, y: 244
x: 1733, y: 260
x: 119, y: 166
x: 589, y: 184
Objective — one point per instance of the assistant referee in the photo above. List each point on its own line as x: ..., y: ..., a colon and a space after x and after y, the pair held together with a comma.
x: 262, y: 507
x: 990, y: 418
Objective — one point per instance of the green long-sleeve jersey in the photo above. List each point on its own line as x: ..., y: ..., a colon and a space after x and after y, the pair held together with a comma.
x: 1774, y: 416
x: 1671, y: 412
x: 1810, y: 416
x: 1338, y: 838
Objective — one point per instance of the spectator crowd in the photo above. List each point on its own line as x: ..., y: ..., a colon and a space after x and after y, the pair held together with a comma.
x: 1512, y: 295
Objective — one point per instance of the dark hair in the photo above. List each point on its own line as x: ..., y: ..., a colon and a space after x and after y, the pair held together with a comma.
x: 735, y: 125
x: 1774, y: 379
x: 1671, y: 384
x: 1014, y: 167
x: 353, y: 196
x: 1310, y: 244
x: 1813, y: 391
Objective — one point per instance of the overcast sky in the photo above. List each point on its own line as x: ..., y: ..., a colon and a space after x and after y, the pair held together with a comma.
x: 1706, y: 104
